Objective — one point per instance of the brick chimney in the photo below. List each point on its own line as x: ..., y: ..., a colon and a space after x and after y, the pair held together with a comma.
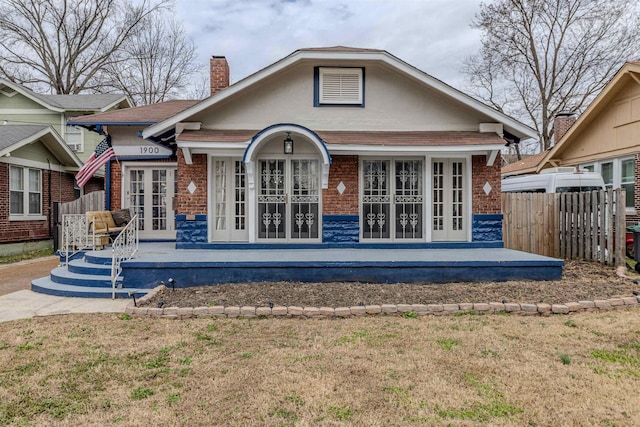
x: 219, y: 69
x: 561, y: 124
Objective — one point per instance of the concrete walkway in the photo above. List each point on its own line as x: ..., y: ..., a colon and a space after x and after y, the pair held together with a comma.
x: 25, y: 304
x: 17, y: 301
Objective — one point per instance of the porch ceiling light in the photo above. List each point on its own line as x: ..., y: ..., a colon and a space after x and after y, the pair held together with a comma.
x: 288, y: 144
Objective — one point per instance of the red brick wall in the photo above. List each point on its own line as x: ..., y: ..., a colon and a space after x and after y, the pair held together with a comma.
x: 196, y: 203
x: 116, y: 186
x: 481, y: 174
x: 219, y: 73
x: 345, y: 169
x: 56, y: 187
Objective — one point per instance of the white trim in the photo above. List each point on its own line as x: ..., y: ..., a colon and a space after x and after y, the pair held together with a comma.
x: 17, y: 161
x: 27, y: 218
x: 26, y: 191
x: 369, y: 150
x: 211, y: 145
x: 187, y: 155
x: 210, y: 195
x: 512, y: 125
x: 26, y: 111
x: 252, y: 151
x: 492, y: 156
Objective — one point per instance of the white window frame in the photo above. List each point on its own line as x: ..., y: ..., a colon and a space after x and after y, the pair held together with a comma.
x: 617, y: 174
x: 341, y: 99
x: 76, y: 147
x: 26, y: 215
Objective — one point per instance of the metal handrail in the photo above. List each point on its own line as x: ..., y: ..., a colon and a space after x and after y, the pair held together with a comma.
x: 75, y: 236
x: 123, y: 248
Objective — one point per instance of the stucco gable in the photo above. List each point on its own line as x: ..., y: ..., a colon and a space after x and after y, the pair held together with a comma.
x: 212, y: 110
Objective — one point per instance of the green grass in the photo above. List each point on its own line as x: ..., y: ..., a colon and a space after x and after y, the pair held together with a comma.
x: 10, y: 259
x: 448, y: 344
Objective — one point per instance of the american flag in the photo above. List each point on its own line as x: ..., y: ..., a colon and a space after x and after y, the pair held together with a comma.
x: 99, y: 157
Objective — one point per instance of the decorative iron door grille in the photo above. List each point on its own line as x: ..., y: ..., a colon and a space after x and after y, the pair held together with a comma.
x: 393, y: 199
x: 289, y: 199
x: 305, y: 198
x: 409, y: 199
x: 376, y: 199
x: 272, y: 212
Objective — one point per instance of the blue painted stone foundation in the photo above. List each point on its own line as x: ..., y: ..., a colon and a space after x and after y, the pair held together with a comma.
x: 191, y: 229
x: 487, y: 228
x: 340, y: 228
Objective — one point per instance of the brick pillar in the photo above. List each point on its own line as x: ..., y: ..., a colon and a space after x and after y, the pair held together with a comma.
x: 219, y: 73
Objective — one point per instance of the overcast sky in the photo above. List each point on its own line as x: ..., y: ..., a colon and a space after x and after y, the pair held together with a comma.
x: 433, y: 35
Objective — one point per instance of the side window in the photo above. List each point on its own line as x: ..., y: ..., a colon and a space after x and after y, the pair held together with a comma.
x: 606, y: 170
x: 73, y: 137
x: 627, y: 180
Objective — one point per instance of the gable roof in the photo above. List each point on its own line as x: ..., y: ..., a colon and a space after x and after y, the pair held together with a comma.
x: 630, y: 71
x: 525, y: 165
x: 64, y: 103
x: 13, y: 137
x: 144, y: 115
x: 511, y: 125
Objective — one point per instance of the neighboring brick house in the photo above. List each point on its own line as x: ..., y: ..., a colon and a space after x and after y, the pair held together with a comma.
x: 605, y: 138
x: 36, y: 170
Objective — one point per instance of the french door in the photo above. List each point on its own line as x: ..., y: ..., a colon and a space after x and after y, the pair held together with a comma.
x: 288, y: 202
x: 151, y: 192
x: 393, y: 199
x: 449, y: 208
x: 229, y: 200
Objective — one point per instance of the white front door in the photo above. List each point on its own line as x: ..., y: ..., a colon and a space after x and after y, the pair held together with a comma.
x: 448, y: 198
x: 288, y: 196
x: 151, y: 192
x: 229, y: 200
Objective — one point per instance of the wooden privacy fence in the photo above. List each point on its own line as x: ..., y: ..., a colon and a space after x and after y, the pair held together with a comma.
x: 89, y: 202
x: 589, y: 225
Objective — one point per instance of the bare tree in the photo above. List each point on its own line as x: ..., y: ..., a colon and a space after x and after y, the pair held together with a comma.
x: 540, y: 58
x: 155, y: 64
x: 64, y: 44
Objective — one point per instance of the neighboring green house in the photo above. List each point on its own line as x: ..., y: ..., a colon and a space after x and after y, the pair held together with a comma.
x: 39, y: 157
x: 20, y: 105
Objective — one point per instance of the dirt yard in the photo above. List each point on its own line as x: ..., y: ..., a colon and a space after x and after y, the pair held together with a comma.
x: 581, y: 281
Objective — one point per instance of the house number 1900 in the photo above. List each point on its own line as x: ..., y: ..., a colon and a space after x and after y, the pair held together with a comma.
x: 149, y: 150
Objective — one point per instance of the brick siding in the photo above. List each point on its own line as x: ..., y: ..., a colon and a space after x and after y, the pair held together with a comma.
x: 219, y: 73
x: 481, y: 174
x: 22, y: 231
x: 345, y: 169
x: 196, y: 203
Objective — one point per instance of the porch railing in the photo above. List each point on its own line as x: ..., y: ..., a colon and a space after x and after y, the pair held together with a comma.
x: 123, y: 248
x: 75, y: 235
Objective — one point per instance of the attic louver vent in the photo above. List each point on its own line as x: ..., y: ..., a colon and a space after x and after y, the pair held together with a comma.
x: 340, y: 85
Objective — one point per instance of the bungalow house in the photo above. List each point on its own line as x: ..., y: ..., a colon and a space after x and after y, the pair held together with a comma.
x: 605, y: 138
x: 282, y: 175
x: 36, y: 169
x: 333, y: 146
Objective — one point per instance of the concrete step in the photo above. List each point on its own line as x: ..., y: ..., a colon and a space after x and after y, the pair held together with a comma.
x: 98, y: 257
x: 63, y: 276
x: 81, y: 266
x: 45, y: 285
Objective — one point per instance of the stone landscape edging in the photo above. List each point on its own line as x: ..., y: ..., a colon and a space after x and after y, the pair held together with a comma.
x: 541, y: 309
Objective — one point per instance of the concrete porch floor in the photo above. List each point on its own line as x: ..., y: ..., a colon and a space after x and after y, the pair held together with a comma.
x: 190, y: 267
